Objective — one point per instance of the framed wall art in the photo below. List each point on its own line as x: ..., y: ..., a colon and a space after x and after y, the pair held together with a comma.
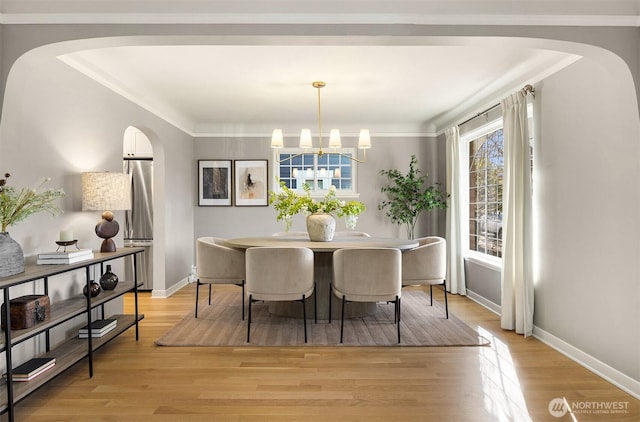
x: 214, y: 183
x: 251, y: 183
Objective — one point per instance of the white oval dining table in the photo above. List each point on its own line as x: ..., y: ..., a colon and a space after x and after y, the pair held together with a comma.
x: 323, y: 269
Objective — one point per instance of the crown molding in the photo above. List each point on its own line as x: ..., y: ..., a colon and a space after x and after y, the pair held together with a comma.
x: 621, y: 20
x: 265, y: 135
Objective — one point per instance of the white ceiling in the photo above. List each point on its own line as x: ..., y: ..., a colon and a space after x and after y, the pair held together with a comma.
x: 247, y: 90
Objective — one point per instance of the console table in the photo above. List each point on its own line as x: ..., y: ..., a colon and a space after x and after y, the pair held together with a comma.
x: 73, y: 349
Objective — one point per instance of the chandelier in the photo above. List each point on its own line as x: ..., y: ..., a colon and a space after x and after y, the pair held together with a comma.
x: 364, y: 140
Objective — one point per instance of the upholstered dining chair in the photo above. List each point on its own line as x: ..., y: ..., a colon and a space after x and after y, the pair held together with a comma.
x: 350, y: 233
x: 427, y: 265
x: 280, y: 274
x: 218, y: 263
x: 367, y: 275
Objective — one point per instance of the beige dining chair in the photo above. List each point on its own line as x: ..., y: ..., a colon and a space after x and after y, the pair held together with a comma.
x: 350, y: 234
x: 280, y: 274
x: 367, y: 275
x: 427, y: 265
x: 218, y: 263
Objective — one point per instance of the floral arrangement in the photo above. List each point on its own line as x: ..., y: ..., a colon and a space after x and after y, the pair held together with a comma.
x: 18, y: 204
x: 289, y: 203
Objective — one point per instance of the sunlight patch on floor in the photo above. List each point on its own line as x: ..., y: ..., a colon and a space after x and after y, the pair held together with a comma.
x: 503, y: 396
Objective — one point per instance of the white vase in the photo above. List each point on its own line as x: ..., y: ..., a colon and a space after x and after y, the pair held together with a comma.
x: 321, y: 227
x: 11, y: 256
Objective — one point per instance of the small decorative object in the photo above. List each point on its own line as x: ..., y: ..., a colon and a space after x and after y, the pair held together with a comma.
x: 15, y: 206
x: 27, y: 311
x: 109, y: 280
x: 66, y: 235
x: 107, y: 229
x: 408, y: 196
x: 64, y: 243
x: 11, y: 256
x: 95, y: 289
x: 288, y: 203
x: 66, y: 239
x: 321, y: 227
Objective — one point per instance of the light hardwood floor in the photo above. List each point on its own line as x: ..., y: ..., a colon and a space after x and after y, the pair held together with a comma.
x: 513, y: 380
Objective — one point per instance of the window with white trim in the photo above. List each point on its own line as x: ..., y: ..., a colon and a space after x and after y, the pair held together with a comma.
x: 295, y: 168
x: 486, y: 164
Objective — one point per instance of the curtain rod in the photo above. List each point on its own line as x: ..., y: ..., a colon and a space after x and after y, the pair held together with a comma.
x: 526, y: 89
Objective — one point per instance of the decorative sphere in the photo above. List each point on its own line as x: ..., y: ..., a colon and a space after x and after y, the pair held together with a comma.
x: 106, y: 229
x: 95, y: 289
x: 107, y: 215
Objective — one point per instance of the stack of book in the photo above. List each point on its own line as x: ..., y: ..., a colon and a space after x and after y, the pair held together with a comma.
x: 99, y: 328
x: 31, y: 369
x: 62, y: 257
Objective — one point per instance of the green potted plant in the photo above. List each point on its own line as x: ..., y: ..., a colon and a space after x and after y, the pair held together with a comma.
x: 289, y: 203
x: 409, y: 195
x: 15, y: 206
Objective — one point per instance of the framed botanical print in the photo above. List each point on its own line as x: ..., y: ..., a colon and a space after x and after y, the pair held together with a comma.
x: 251, y: 183
x: 214, y: 183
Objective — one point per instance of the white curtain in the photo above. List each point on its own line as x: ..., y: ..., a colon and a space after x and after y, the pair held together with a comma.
x: 455, y: 261
x: 517, y: 277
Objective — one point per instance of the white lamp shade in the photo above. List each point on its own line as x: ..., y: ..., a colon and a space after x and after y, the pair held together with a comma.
x: 295, y: 173
x: 305, y: 138
x: 334, y: 139
x: 277, y: 140
x: 364, y: 141
x: 105, y: 191
x: 337, y: 173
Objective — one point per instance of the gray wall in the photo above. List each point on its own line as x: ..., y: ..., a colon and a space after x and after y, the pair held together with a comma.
x: 59, y: 123
x: 586, y: 190
x: 252, y: 221
x: 484, y: 281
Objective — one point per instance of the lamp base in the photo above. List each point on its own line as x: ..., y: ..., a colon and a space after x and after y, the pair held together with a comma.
x: 106, y: 229
x: 108, y: 245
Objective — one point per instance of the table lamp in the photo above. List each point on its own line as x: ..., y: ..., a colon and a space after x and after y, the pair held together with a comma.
x: 108, y: 192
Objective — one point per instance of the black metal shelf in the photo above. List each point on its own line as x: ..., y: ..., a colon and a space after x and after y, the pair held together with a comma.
x: 74, y: 349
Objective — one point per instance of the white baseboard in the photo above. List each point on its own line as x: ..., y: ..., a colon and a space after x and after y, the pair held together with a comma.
x: 163, y: 294
x: 599, y: 368
x: 493, y: 307
x: 612, y: 375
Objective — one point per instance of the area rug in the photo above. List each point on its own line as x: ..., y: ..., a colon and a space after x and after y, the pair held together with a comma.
x: 221, y: 325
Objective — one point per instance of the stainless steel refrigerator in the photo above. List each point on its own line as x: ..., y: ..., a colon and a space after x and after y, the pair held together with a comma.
x: 138, y: 225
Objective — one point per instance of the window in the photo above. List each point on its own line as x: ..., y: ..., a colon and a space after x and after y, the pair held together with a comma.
x: 319, y: 172
x: 486, y: 163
